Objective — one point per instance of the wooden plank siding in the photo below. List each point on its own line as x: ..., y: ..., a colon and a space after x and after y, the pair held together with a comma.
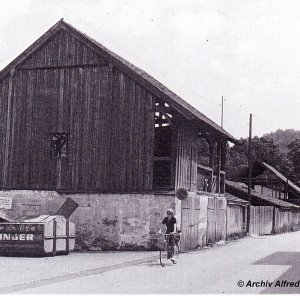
x: 186, y: 157
x: 108, y: 118
x: 61, y: 50
x: 261, y: 220
x: 4, y: 133
x: 65, y: 86
x: 236, y: 223
x: 216, y: 220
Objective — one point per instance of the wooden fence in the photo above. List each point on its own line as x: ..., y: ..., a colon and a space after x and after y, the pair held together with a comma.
x: 269, y: 219
x: 216, y: 220
x: 210, y: 219
x: 261, y: 220
x: 203, y: 221
x: 190, y: 220
x: 286, y: 221
x: 236, y: 220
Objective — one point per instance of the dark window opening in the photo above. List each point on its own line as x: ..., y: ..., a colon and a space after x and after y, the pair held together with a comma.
x: 203, y: 152
x: 203, y: 179
x: 162, y: 174
x: 59, y: 143
x: 162, y: 141
x: 162, y: 169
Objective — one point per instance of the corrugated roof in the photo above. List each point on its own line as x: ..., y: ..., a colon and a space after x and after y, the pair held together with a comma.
x: 175, y: 99
x: 241, y: 190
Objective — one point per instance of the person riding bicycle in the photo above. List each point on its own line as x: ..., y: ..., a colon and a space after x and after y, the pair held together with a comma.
x: 170, y: 222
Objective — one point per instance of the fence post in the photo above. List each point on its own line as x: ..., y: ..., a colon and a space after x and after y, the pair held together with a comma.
x: 248, y: 219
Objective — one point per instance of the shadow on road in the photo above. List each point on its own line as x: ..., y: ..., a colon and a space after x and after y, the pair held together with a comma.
x: 155, y: 264
x: 281, y: 285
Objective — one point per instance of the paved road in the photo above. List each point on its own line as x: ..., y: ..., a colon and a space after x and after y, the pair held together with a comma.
x: 254, y: 263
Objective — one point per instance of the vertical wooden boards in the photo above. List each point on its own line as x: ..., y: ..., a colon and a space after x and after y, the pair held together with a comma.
x: 190, y: 222
x: 235, y: 224
x: 261, y: 220
x: 286, y: 220
x: 216, y: 219
x: 4, y: 123
x: 62, y: 50
x: 132, y: 139
x: 221, y: 219
x: 211, y: 221
x: 186, y: 163
x: 35, y: 95
x: 108, y: 119
x: 185, y: 222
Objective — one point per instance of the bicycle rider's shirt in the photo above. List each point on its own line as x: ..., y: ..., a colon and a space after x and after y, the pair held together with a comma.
x: 169, y: 224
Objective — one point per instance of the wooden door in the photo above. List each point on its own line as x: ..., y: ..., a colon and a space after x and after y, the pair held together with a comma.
x: 211, y: 221
x: 190, y: 220
x: 216, y: 220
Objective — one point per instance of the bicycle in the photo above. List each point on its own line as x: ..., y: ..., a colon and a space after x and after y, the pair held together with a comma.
x: 167, y: 251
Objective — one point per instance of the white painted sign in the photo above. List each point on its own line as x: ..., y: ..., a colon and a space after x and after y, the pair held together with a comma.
x: 5, y: 202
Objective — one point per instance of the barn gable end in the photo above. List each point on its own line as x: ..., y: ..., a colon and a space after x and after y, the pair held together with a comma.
x: 62, y: 50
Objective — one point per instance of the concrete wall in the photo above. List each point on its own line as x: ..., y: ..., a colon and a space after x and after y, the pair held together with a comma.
x: 106, y: 221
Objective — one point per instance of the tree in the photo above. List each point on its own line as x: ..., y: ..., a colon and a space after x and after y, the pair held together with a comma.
x: 294, y: 156
x: 237, y: 160
x: 263, y: 149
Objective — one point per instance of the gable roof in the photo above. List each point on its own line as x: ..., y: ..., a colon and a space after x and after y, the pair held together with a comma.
x: 241, y: 190
x: 159, y: 89
x: 282, y: 177
x: 259, y: 167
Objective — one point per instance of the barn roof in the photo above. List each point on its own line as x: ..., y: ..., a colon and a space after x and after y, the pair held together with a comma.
x: 259, y: 167
x: 241, y: 190
x: 282, y: 177
x: 159, y: 89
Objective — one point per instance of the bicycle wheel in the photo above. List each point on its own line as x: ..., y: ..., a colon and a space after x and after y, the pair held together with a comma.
x: 176, y: 251
x: 163, y: 255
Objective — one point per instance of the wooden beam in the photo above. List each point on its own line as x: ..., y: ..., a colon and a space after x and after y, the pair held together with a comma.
x: 204, y: 167
x: 62, y: 67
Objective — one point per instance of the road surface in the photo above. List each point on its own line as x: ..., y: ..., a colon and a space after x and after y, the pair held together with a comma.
x: 267, y: 264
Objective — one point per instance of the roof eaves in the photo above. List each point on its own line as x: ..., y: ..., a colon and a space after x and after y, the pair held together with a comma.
x: 272, y: 201
x: 190, y: 111
x: 281, y: 176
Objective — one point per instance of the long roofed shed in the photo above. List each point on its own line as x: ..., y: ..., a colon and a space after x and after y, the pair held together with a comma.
x: 241, y: 190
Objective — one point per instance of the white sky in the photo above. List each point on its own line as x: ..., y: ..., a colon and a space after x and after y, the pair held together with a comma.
x: 246, y: 50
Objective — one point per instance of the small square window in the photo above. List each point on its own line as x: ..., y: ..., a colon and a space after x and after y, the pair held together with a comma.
x: 59, y: 143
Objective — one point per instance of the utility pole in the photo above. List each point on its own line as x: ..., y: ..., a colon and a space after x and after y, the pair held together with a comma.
x: 249, y: 171
x: 222, y: 114
x: 250, y: 159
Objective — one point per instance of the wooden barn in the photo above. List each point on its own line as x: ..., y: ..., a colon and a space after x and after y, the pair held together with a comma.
x: 78, y: 120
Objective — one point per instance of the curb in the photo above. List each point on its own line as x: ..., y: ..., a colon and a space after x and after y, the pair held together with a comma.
x: 70, y: 276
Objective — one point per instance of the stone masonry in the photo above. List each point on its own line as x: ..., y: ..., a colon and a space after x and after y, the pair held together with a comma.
x: 103, y: 221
